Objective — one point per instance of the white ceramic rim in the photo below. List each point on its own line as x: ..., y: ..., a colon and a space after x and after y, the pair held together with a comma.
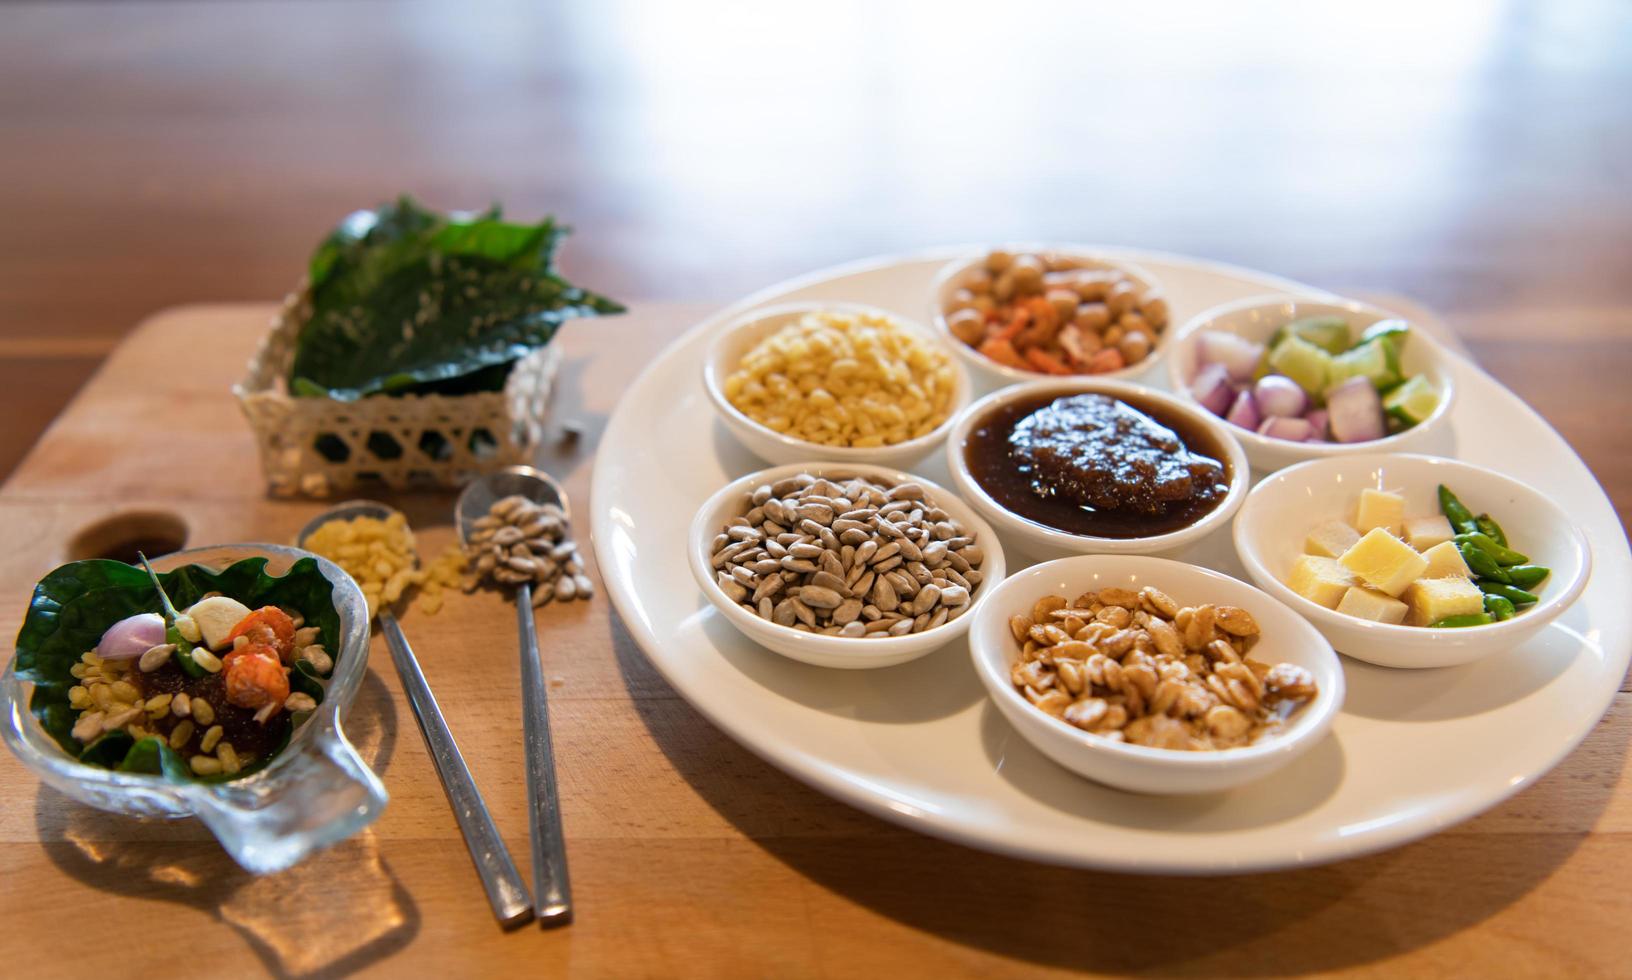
x: 1312, y: 722
x: 1554, y: 601
x: 1097, y: 260
x: 1240, y: 469
x: 702, y: 531
x: 1437, y: 354
x: 922, y: 445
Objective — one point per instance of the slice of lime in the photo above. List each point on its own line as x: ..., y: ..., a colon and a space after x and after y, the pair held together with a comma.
x: 1303, y: 362
x: 1394, y: 331
x: 1329, y: 333
x: 1412, y: 401
x: 1374, y: 360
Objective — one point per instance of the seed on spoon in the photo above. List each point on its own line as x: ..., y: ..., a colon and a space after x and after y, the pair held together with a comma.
x: 519, y: 541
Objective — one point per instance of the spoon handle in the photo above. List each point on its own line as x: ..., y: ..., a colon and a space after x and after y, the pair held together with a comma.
x: 544, y: 808
x: 506, y: 891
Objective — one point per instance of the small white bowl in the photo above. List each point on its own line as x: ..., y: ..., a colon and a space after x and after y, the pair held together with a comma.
x: 1270, y: 530
x: 1257, y: 318
x: 1285, y: 638
x: 989, y: 374
x: 736, y: 338
x: 845, y: 652
x: 1042, y: 542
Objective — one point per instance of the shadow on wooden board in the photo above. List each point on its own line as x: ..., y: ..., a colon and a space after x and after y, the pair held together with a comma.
x: 1324, y: 918
x: 338, y: 911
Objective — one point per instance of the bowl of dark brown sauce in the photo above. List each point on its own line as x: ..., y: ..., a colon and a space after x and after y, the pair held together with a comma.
x: 1081, y: 466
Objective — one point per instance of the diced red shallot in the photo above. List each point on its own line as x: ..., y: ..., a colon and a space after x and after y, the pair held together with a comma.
x: 1239, y: 355
x: 1244, y: 412
x: 1316, y: 417
x: 1277, y: 427
x: 131, y: 637
x: 1279, y: 395
x: 1212, y: 388
x: 1354, y: 411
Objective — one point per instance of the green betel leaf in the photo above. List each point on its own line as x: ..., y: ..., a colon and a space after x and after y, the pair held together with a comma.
x: 406, y: 300
x: 149, y: 756
x: 75, y: 604
x: 306, y: 680
x: 57, y: 629
x: 108, y: 751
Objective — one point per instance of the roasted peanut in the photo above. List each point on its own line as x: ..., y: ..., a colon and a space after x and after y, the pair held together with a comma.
x: 1134, y: 673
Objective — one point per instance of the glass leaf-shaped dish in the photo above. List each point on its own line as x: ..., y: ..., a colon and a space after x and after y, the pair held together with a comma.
x: 315, y: 792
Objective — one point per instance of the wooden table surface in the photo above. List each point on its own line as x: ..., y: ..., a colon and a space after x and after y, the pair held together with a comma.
x: 689, y: 856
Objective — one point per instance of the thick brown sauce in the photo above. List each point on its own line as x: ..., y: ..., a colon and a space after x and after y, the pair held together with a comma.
x: 1009, y: 480
x: 238, y: 725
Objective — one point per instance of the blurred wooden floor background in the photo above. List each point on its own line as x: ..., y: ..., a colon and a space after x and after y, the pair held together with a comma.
x: 1476, y: 156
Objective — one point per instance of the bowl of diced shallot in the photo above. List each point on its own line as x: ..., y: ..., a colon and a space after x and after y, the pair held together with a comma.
x: 1302, y: 378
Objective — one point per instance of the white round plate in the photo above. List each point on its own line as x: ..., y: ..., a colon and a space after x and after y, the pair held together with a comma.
x: 1411, y: 753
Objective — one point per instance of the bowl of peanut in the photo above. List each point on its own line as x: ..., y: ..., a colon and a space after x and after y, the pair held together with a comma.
x: 835, y: 381
x: 1152, y: 675
x: 1024, y: 312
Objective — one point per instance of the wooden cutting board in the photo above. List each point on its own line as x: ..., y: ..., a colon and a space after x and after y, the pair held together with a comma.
x: 689, y: 856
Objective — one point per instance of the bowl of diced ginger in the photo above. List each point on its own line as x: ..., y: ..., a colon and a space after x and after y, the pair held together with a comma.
x: 1412, y: 561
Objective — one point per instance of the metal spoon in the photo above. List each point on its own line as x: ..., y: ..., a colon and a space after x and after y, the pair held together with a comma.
x: 549, y: 846
x: 506, y: 891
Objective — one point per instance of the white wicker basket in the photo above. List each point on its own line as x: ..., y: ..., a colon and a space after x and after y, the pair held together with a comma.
x: 400, y: 442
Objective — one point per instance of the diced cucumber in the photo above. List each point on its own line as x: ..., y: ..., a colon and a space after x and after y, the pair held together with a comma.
x: 1414, y: 400
x: 1374, y: 361
x: 1303, y: 362
x: 1330, y: 333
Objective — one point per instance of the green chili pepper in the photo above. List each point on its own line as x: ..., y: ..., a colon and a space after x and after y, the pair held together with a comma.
x: 1528, y: 576
x: 1456, y: 622
x: 1518, y: 597
x: 1480, y: 561
x: 1498, y: 607
x: 184, y: 653
x: 1487, y: 525
x: 1502, y: 555
x: 184, y: 650
x: 1455, y: 511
